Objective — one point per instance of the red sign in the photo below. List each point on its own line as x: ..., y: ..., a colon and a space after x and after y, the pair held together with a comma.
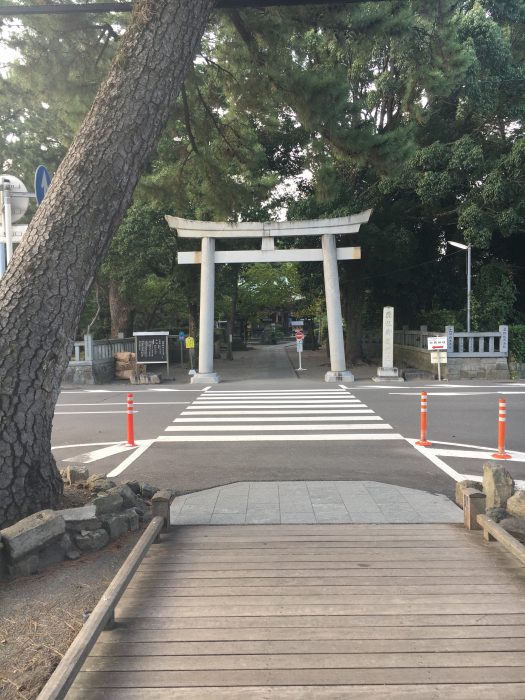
x: 299, y: 335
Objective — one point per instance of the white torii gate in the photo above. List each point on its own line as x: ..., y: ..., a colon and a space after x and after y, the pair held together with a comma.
x: 329, y: 254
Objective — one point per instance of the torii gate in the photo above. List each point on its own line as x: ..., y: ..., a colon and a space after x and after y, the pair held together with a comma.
x: 329, y: 254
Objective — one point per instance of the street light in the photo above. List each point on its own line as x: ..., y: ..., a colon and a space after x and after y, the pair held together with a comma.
x: 468, y: 248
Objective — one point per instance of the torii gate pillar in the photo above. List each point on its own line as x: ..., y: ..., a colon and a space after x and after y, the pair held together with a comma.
x: 338, y: 371
x: 206, y: 375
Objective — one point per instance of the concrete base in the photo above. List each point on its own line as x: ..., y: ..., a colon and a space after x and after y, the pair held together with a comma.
x: 208, y: 378
x: 387, y: 374
x: 344, y: 376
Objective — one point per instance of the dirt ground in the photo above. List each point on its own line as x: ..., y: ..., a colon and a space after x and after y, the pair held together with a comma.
x: 40, y: 615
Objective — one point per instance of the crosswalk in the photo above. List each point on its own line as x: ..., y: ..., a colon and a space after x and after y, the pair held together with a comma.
x: 278, y: 415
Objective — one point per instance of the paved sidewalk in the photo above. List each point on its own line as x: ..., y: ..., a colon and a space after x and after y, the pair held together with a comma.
x: 309, y: 502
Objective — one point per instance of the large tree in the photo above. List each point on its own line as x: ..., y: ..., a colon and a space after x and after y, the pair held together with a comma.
x: 44, y: 290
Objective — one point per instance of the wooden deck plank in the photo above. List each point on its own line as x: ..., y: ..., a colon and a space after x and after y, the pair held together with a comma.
x: 474, y: 691
x: 304, y: 676
x: 128, y: 609
x: 239, y: 662
x: 317, y: 646
x: 178, y: 591
x: 129, y: 632
x: 358, y: 622
x: 397, y: 612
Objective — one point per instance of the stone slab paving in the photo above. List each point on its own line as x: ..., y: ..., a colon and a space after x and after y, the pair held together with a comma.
x: 310, y: 502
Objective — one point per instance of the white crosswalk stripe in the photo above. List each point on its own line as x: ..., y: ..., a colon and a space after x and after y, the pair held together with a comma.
x: 256, y: 416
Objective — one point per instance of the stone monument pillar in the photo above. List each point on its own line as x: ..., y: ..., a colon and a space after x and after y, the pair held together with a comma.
x: 388, y: 372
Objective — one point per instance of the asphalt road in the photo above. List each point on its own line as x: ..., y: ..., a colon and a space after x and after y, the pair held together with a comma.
x: 267, y: 422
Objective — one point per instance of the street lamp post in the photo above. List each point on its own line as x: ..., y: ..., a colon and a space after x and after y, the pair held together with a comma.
x: 468, y: 248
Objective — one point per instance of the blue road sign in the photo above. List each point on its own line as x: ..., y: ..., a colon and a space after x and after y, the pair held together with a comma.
x: 181, y: 336
x: 42, y: 182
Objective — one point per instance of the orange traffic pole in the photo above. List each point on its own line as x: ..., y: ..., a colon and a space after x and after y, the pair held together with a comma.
x: 423, y: 421
x: 131, y: 434
x: 502, y: 425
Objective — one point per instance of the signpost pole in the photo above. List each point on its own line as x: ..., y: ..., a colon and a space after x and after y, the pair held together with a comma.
x: 7, y: 225
x: 439, y: 365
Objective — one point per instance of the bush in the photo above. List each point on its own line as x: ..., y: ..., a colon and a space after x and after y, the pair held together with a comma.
x: 517, y: 343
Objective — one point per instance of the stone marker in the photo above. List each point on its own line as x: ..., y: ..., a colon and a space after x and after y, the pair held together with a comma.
x: 388, y: 372
x: 498, y: 485
x: 76, y: 474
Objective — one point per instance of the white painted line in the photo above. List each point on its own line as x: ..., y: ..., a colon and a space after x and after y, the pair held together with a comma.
x: 82, y: 444
x: 129, y: 460
x: 425, y: 451
x: 284, y: 412
x: 516, y: 456
x: 277, y: 391
x: 135, y: 403
x: 83, y: 413
x: 288, y: 419
x: 458, y: 393
x: 330, y: 426
x: 102, y: 453
x: 207, y: 388
x: 321, y: 437
x: 123, y: 391
x: 277, y: 404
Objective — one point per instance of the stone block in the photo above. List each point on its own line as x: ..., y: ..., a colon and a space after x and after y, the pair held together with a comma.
x: 461, y: 486
x: 91, y: 541
x: 32, y: 533
x: 516, y: 504
x: 116, y: 525
x: 496, y: 514
x: 134, y: 486
x: 498, y: 485
x: 148, y: 491
x: 76, y: 474
x: 515, y: 527
x: 99, y: 482
x: 124, y: 491
x: 27, y: 566
x: 83, y: 518
x: 106, y: 503
x: 133, y: 519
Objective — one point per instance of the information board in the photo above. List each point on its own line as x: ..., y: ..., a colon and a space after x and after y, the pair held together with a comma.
x: 152, y: 347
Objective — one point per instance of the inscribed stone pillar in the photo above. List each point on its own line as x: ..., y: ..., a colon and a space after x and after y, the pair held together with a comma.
x: 387, y: 371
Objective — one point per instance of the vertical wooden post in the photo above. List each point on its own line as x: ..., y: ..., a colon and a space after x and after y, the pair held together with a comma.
x: 473, y: 505
x: 160, y: 504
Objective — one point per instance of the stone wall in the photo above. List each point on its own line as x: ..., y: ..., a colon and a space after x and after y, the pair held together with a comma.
x: 405, y: 356
x: 478, y: 368
x: 90, y: 372
x: 52, y: 536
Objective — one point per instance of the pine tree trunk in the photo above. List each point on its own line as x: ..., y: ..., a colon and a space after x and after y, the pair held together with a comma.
x: 122, y: 313
x: 44, y: 290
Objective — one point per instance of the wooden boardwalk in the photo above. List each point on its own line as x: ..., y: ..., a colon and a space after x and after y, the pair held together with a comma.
x: 316, y: 611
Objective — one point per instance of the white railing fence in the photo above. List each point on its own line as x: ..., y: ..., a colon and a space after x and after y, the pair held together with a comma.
x: 91, y: 350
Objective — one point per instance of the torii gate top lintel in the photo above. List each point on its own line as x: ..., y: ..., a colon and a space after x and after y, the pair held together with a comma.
x: 188, y: 228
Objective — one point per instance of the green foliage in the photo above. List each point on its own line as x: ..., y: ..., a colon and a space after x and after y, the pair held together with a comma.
x: 265, y: 287
x: 493, y: 297
x: 517, y: 343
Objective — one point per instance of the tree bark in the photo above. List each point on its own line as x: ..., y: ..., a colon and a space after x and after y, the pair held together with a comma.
x: 121, y: 311
x: 45, y: 287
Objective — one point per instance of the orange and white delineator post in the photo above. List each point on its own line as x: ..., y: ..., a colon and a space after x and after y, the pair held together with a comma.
x: 423, y: 421
x: 502, y: 425
x: 131, y: 433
